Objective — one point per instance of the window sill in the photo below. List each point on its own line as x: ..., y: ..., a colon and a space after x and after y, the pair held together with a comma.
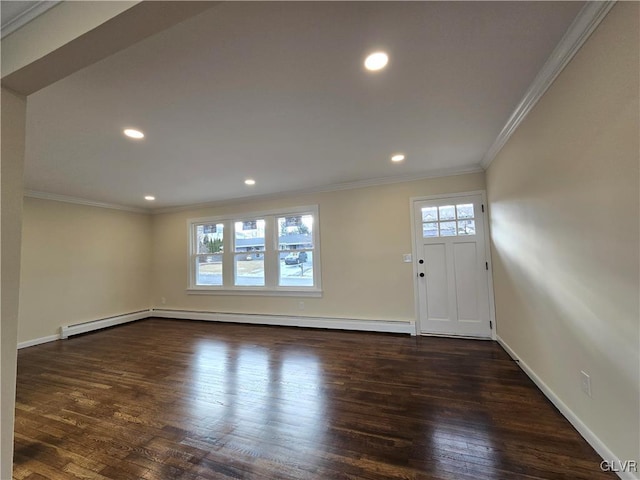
x: 311, y: 292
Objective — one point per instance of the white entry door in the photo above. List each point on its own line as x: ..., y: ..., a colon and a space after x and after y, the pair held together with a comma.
x: 452, y: 268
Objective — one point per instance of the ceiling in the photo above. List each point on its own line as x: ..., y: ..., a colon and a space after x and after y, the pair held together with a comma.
x: 277, y: 92
x: 15, y: 14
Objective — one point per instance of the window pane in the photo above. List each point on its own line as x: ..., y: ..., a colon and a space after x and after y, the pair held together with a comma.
x: 430, y: 229
x: 447, y: 229
x: 249, y: 268
x: 466, y: 227
x: 209, y: 270
x: 295, y: 232
x: 296, y: 269
x: 209, y: 237
x: 249, y: 236
x: 447, y: 212
x: 465, y: 210
x: 429, y: 214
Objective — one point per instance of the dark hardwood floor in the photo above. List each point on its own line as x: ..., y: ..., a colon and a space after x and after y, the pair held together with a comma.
x: 171, y: 399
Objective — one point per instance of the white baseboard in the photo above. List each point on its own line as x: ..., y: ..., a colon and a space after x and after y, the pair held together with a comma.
x: 38, y: 341
x: 385, y: 326
x: 69, y: 330
x: 597, y: 444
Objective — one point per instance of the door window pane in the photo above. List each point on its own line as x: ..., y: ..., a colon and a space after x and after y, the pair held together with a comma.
x: 429, y: 214
x: 466, y: 227
x: 430, y: 229
x: 465, y: 210
x: 448, y: 220
x: 249, y: 268
x: 447, y: 212
x: 447, y: 229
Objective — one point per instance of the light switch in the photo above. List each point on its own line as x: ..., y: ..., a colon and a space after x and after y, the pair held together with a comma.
x: 406, y: 258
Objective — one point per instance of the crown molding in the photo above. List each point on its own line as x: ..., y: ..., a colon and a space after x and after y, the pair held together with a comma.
x: 82, y: 201
x: 445, y: 172
x: 578, y: 32
x: 37, y: 9
x: 374, y: 182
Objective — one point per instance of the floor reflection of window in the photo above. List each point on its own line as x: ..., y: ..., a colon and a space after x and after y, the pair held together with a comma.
x: 302, y: 397
x: 253, y: 386
x: 251, y: 398
x: 209, y: 380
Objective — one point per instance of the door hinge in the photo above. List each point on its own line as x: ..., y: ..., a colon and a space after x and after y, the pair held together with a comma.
x: 486, y: 265
x: 490, y: 325
x: 483, y: 208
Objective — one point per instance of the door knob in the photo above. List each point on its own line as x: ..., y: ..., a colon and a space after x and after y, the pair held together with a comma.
x: 421, y: 274
x: 421, y: 261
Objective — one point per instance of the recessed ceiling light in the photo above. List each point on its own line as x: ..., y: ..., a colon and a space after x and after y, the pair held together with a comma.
x: 131, y: 133
x: 249, y: 181
x: 398, y: 157
x: 151, y: 198
x: 376, y: 61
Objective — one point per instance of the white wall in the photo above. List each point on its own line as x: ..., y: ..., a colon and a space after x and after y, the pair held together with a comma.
x: 364, y: 233
x: 13, y: 138
x: 564, y: 209
x: 80, y: 263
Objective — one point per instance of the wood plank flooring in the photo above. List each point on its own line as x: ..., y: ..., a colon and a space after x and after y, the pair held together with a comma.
x: 172, y: 399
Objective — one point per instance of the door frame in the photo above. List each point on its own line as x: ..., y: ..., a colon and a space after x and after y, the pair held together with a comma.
x: 487, y: 248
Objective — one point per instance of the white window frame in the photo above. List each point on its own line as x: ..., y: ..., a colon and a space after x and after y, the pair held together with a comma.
x: 271, y: 255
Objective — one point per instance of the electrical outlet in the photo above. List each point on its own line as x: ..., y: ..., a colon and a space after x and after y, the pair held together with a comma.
x: 301, y: 305
x: 163, y: 300
x: 585, y: 382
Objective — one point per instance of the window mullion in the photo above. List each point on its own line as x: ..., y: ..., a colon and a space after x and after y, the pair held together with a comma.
x: 270, y: 252
x: 228, y: 273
